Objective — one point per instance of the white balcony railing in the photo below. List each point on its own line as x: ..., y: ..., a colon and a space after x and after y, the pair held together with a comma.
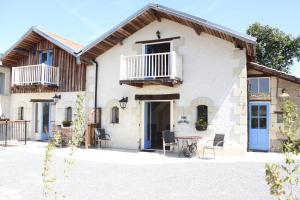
x: 151, y: 66
x: 35, y: 74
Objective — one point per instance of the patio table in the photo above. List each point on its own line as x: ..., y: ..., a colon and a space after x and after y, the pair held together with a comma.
x: 185, y: 144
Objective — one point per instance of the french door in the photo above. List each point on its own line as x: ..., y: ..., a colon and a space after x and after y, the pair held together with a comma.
x: 42, y: 120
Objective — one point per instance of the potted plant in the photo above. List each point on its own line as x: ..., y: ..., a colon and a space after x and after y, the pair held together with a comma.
x: 201, y: 125
x: 67, y: 123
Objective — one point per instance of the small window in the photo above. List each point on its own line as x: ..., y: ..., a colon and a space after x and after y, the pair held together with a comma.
x: 21, y: 113
x: 202, y: 118
x: 68, y: 115
x: 259, y: 85
x: 2, y: 83
x: 279, y: 117
x: 115, y: 115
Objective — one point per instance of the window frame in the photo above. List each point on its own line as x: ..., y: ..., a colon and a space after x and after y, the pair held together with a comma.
x: 150, y: 43
x: 69, y: 114
x: 258, y: 85
x: 21, y: 113
x: 49, y: 54
x: 115, y: 117
x: 201, y: 116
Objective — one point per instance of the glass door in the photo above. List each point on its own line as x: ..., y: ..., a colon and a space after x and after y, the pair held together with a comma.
x: 147, y: 134
x: 45, y: 121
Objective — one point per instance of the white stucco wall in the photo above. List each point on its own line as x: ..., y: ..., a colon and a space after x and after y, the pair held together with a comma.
x: 5, y: 98
x: 214, y: 73
x: 68, y: 99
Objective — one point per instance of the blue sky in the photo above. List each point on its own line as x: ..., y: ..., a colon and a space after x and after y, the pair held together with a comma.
x: 84, y: 21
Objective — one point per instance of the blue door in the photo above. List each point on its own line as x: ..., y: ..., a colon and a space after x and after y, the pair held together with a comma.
x: 147, y: 135
x: 259, y: 126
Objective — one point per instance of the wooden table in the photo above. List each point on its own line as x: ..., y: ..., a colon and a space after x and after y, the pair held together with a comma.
x: 185, y: 146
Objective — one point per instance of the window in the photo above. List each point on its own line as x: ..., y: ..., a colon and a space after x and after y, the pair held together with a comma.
x: 46, y: 57
x: 2, y: 83
x: 259, y: 85
x: 202, y: 117
x: 115, y: 115
x: 21, y: 113
x: 279, y: 117
x: 68, y: 115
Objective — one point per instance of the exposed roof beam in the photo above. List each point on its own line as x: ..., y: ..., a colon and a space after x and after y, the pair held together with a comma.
x: 155, y: 14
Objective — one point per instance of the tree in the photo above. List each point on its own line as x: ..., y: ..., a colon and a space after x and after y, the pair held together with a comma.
x: 283, y: 179
x: 274, y: 48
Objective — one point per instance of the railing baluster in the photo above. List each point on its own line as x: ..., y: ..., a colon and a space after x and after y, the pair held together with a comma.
x: 149, y: 65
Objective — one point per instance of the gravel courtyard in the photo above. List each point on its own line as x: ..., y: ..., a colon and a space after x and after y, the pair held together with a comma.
x: 103, y: 174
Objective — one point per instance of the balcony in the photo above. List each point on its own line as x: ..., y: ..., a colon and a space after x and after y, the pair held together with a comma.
x: 40, y: 74
x: 146, y: 69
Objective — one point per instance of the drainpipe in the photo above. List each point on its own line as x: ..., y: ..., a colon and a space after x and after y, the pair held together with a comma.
x: 96, y: 89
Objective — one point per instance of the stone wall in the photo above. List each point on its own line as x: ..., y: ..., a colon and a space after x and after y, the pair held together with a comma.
x: 276, y: 86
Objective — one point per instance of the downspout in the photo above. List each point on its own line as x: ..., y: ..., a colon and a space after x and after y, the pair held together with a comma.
x: 96, y: 90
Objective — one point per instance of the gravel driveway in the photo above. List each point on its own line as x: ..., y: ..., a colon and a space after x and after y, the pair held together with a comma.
x: 137, y: 176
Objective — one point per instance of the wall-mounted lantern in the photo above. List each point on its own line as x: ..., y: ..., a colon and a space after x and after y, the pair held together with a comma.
x: 283, y: 97
x: 158, y: 34
x: 56, y: 98
x: 123, y: 102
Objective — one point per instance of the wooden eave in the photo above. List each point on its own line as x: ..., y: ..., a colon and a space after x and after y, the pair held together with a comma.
x: 151, y: 14
x: 272, y: 72
x: 28, y: 44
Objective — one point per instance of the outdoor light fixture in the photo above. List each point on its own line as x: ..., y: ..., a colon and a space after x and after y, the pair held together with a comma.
x: 283, y: 97
x: 123, y: 102
x: 158, y: 34
x: 56, y: 98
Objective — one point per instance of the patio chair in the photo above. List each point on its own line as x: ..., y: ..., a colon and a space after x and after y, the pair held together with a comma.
x: 101, y: 136
x: 168, y: 140
x: 216, y: 144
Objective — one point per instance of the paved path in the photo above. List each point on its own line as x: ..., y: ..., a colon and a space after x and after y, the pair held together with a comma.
x: 99, y: 174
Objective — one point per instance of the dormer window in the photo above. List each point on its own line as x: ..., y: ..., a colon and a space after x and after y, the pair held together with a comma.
x: 46, y: 57
x: 259, y: 85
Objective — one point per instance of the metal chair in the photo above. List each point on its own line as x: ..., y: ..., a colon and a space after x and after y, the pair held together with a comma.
x: 216, y: 143
x: 101, y: 136
x: 168, y: 139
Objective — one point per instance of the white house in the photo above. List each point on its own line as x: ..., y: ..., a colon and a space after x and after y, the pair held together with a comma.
x: 160, y: 69
x: 174, y: 69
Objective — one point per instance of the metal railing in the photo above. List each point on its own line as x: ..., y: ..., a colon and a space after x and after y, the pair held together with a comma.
x: 151, y: 66
x: 35, y: 74
x: 13, y: 132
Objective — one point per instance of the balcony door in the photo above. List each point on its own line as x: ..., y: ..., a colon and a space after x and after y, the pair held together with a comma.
x: 157, y: 116
x: 42, y: 114
x: 46, y: 57
x: 157, y: 59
